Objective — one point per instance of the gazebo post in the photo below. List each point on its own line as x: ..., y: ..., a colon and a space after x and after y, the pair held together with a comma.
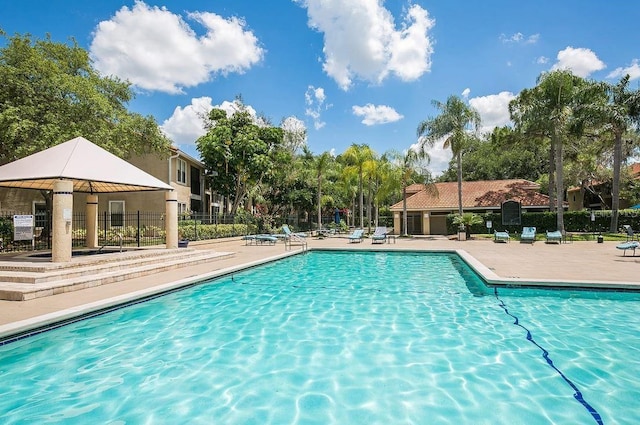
x: 92, y: 221
x: 62, y: 221
x: 171, y: 218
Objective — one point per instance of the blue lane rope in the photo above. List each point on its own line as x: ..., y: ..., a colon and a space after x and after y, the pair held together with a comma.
x: 545, y: 354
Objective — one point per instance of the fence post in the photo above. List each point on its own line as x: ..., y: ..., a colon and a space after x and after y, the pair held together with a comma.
x: 138, y: 230
x: 195, y: 226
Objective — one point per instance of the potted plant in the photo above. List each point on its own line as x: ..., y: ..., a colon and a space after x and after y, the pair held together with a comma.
x: 464, y: 222
x: 182, y: 242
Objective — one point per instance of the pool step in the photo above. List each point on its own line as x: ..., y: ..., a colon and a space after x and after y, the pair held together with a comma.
x: 20, y: 281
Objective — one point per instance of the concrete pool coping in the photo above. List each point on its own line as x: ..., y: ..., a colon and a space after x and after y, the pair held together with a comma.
x: 498, y: 264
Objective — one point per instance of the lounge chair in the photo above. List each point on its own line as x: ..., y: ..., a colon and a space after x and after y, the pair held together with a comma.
x: 555, y: 236
x: 260, y: 239
x: 633, y: 245
x: 291, y: 238
x: 501, y: 236
x: 287, y: 231
x: 528, y: 234
x: 356, y: 236
x: 629, y: 231
x: 379, y: 235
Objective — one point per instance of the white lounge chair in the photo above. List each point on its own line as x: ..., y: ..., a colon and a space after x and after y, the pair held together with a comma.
x: 356, y: 236
x: 555, y: 236
x: 633, y: 245
x: 501, y: 236
x: 379, y: 235
x: 528, y: 234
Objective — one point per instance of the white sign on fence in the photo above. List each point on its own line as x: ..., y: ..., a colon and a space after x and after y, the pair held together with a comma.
x: 22, y: 227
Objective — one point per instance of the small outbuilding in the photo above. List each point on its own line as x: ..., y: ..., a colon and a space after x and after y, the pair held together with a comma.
x: 80, y: 166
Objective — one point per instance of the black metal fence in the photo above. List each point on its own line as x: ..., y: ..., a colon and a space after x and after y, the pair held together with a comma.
x: 139, y: 228
x: 127, y: 229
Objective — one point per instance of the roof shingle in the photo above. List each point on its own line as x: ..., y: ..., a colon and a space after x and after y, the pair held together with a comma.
x: 476, y: 194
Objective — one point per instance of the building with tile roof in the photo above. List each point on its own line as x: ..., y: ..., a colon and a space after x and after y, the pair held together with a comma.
x: 428, y: 206
x: 596, y: 195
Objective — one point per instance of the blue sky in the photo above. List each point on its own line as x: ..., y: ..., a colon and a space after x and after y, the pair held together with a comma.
x: 349, y: 71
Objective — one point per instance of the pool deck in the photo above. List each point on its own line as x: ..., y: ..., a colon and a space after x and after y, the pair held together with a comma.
x: 598, y: 264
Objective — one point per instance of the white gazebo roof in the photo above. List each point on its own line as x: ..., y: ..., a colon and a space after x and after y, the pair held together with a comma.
x: 91, y: 168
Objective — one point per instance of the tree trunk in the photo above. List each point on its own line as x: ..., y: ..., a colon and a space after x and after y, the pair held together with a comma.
x: 404, y: 210
x: 319, y: 203
x: 459, y: 158
x: 615, y: 185
x: 369, y: 206
x: 361, y: 202
x: 559, y: 185
x: 552, y: 176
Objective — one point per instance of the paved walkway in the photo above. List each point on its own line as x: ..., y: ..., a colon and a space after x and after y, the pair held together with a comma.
x: 577, y: 261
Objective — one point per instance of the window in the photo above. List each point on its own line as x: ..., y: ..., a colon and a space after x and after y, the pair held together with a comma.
x: 182, y: 208
x: 116, y: 213
x: 40, y: 214
x: 182, y: 172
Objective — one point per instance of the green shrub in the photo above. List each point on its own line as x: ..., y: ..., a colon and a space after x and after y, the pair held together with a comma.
x: 574, y: 221
x: 214, y: 231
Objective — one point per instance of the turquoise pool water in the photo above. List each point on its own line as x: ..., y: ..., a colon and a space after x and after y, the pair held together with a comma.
x: 337, y: 338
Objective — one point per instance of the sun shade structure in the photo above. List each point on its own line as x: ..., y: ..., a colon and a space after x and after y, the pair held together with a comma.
x: 90, y: 168
x: 79, y: 166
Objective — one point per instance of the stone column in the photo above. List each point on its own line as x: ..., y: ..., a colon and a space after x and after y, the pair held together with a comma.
x: 397, y: 224
x: 426, y: 223
x: 171, y: 218
x: 62, y: 221
x: 92, y: 221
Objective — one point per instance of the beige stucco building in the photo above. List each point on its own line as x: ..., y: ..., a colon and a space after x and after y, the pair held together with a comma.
x: 176, y: 168
x: 428, y: 206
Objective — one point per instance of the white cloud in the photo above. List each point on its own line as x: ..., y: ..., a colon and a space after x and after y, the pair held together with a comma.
x: 361, y: 40
x: 493, y: 110
x: 156, y: 49
x: 234, y: 106
x: 542, y: 60
x: 466, y: 92
x: 376, y: 114
x: 439, y: 156
x: 519, y: 38
x: 314, y: 100
x: 633, y: 70
x: 582, y: 62
x: 186, y: 124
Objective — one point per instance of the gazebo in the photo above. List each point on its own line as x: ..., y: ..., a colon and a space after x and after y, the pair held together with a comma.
x: 81, y: 166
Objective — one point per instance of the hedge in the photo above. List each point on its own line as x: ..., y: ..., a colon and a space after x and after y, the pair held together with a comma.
x: 574, y: 221
x: 213, y: 231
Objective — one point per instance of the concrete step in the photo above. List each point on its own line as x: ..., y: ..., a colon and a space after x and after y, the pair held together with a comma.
x: 39, y: 272
x: 29, y: 284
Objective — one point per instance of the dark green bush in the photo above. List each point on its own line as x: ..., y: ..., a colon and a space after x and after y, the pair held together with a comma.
x: 574, y: 221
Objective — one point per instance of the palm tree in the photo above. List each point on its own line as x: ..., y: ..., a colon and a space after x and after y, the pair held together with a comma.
x: 407, y: 163
x: 550, y: 108
x: 320, y: 164
x: 452, y: 124
x: 617, y: 112
x: 356, y: 156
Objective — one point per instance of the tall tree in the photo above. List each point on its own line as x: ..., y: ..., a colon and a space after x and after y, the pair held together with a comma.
x: 455, y: 120
x: 409, y: 168
x: 240, y: 150
x: 550, y: 108
x: 50, y: 93
x: 617, y: 112
x: 320, y: 165
x: 356, y: 156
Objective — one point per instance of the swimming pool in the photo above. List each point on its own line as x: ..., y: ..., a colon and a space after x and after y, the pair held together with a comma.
x: 337, y: 338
